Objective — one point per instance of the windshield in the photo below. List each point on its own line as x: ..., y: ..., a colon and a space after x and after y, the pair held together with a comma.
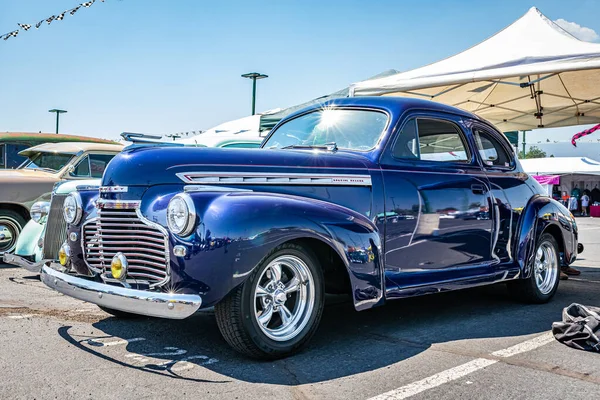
x: 343, y: 128
x: 49, y: 161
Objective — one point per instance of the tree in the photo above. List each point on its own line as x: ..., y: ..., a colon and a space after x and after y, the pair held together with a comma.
x: 534, y: 152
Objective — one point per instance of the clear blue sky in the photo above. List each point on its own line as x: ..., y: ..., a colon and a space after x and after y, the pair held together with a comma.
x: 172, y: 66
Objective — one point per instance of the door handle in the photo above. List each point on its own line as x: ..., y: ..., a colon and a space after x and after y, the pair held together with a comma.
x: 478, y: 189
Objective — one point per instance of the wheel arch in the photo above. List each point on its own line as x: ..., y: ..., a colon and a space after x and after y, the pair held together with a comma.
x: 543, y: 215
x: 18, y: 208
x: 346, y: 243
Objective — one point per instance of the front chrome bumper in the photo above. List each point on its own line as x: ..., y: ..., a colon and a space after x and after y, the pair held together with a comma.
x: 24, y: 263
x: 152, y: 304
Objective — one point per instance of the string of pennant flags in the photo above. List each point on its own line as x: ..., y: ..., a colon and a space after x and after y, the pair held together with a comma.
x: 57, y: 17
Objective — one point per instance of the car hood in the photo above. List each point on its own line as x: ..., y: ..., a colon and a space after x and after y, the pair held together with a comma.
x: 29, y: 175
x: 147, y: 166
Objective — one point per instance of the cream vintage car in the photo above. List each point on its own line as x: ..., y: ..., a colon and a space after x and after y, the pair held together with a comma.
x: 26, y: 191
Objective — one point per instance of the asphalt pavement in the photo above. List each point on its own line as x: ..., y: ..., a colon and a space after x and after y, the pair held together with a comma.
x: 470, y: 344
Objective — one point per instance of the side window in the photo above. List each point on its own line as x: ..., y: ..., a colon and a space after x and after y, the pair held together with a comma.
x: 441, y: 141
x: 2, y: 150
x: 406, y: 145
x: 492, y: 153
x: 431, y: 140
x: 83, y: 168
x: 98, y: 163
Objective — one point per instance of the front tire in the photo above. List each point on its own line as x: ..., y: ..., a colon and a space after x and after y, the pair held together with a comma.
x: 541, y: 286
x: 11, y: 225
x: 277, y: 310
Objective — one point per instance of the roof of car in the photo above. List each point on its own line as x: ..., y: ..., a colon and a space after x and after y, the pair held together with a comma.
x: 392, y: 103
x: 48, y: 137
x: 71, y: 148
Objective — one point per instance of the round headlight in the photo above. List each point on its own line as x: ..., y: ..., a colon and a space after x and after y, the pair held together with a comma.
x: 39, y: 211
x: 72, y: 210
x: 181, y: 215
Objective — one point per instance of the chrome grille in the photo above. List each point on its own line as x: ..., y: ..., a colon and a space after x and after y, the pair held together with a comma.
x: 123, y: 231
x: 56, y: 228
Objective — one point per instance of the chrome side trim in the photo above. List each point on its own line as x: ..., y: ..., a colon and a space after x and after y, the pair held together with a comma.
x: 143, y: 302
x: 259, y: 178
x: 80, y: 188
x: 208, y: 188
x: 19, y: 261
x: 113, y: 189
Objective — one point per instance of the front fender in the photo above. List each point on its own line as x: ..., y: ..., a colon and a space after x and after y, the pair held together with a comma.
x: 27, y: 242
x: 237, y: 230
x: 543, y: 214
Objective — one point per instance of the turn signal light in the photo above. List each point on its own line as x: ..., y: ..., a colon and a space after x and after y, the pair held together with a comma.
x: 118, y: 266
x: 63, y: 254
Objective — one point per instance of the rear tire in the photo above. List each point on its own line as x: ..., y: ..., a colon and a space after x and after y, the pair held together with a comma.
x: 278, y: 308
x: 11, y: 225
x: 541, y: 286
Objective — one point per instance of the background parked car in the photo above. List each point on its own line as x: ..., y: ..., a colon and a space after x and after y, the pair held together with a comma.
x: 11, y: 143
x: 33, y: 181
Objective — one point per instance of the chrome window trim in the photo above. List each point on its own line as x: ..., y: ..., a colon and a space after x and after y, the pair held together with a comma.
x: 260, y: 178
x: 381, y: 137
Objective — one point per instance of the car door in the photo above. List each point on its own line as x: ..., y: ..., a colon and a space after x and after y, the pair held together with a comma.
x: 438, y: 224
x: 509, y: 190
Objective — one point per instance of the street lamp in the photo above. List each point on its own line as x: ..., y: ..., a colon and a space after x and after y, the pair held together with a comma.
x: 254, y: 76
x: 58, y: 112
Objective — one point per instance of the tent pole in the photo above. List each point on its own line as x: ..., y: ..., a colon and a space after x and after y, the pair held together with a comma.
x: 524, y: 136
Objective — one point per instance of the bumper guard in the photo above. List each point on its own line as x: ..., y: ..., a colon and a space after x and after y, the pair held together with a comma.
x: 22, y: 262
x: 152, y: 304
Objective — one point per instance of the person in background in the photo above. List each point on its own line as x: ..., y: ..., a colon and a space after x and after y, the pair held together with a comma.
x: 565, y: 199
x: 585, y: 202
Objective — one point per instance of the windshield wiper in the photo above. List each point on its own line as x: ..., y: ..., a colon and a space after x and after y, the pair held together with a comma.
x: 331, y: 146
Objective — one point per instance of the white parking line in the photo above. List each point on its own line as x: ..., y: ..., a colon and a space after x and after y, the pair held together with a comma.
x: 22, y: 316
x: 455, y: 373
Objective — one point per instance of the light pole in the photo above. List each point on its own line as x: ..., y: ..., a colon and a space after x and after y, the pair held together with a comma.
x: 58, y: 112
x: 254, y: 76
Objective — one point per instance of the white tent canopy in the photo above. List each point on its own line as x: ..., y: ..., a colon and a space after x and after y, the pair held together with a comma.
x: 530, y: 75
x: 561, y: 166
x: 246, y: 128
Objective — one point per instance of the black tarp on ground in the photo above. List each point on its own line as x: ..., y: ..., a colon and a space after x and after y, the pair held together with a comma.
x: 579, y: 328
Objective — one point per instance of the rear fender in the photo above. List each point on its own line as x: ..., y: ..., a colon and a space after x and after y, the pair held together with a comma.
x: 237, y: 230
x: 543, y: 214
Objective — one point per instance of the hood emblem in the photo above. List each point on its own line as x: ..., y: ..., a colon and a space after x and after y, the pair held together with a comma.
x: 113, y: 189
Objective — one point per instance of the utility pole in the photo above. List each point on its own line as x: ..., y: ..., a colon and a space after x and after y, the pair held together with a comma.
x: 58, y: 112
x: 254, y: 76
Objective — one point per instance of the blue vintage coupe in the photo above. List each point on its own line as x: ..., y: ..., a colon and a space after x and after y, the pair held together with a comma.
x: 381, y: 198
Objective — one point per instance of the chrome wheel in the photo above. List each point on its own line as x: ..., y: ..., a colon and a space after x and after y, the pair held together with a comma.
x: 284, y: 298
x: 546, y: 267
x: 9, y: 232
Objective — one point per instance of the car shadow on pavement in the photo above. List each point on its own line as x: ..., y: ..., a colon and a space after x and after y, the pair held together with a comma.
x: 346, y: 343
